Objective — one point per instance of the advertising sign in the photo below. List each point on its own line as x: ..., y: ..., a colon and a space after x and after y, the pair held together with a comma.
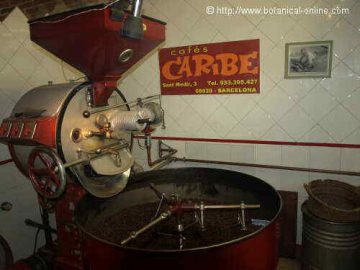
x: 215, y: 68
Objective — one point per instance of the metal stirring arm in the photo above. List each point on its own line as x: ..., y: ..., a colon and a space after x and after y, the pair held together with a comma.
x: 179, y: 208
x: 135, y: 234
x: 202, y: 207
x: 161, y: 196
x: 97, y: 153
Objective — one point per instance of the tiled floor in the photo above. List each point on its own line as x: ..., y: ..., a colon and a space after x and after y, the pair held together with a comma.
x: 288, y: 264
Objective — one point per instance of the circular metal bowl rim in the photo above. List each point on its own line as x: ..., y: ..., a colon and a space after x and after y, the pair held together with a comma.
x: 305, y: 208
x: 173, y: 251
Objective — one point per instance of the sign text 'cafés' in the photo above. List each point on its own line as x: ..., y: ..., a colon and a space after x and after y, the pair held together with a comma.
x: 216, y: 68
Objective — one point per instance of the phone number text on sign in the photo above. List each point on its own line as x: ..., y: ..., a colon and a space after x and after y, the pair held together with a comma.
x: 217, y: 68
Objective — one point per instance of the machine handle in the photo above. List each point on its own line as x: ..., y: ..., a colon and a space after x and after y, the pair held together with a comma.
x: 34, y: 224
x: 48, y: 179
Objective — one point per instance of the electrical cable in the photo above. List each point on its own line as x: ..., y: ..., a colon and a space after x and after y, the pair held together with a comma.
x: 36, y: 240
x: 64, y: 75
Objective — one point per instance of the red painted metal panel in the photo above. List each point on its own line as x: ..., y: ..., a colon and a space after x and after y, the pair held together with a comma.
x: 259, y: 252
x: 69, y: 253
x: 91, y: 42
x: 29, y: 131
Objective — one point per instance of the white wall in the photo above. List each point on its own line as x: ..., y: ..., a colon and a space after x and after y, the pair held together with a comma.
x: 311, y: 110
x: 23, y: 65
x: 293, y: 110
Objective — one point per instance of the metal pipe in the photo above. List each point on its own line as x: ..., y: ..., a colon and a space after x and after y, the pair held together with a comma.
x: 6, y: 161
x: 163, y: 164
x: 152, y: 163
x: 263, y: 166
x: 203, y: 206
x: 100, y: 152
x: 161, y: 158
x: 130, y: 104
x: 151, y: 224
x: 136, y: 8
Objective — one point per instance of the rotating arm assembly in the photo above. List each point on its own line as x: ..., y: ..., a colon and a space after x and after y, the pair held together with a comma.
x: 175, y: 207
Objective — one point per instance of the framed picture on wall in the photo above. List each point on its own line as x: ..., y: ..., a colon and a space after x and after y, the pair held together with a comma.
x: 308, y: 59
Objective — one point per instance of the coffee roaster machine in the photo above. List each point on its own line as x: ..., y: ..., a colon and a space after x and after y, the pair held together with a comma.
x: 73, y: 141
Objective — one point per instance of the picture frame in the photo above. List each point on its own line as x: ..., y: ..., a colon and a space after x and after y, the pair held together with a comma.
x: 308, y: 59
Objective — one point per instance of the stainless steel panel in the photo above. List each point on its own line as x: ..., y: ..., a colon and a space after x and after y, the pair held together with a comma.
x: 98, y: 185
x: 49, y: 98
x: 329, y: 245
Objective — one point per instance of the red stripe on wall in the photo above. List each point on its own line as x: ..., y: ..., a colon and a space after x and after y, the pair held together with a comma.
x: 311, y: 144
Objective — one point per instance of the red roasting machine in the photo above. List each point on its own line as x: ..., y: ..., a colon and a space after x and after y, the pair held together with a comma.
x: 73, y: 141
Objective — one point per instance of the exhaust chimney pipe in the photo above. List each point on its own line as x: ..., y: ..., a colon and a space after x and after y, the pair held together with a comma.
x: 133, y: 26
x: 136, y: 10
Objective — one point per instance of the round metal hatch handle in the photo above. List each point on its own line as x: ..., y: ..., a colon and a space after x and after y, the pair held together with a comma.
x: 126, y: 55
x: 50, y: 180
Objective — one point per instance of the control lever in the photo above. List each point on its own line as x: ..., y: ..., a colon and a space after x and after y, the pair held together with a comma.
x: 34, y: 224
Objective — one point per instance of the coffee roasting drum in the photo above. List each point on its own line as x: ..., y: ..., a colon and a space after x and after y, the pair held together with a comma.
x: 257, y: 250
x: 74, y: 142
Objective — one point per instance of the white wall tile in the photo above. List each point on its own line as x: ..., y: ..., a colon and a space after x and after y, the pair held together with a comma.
x: 297, y: 89
x: 276, y: 27
x: 12, y: 84
x: 273, y: 64
x: 8, y: 43
x: 323, y: 23
x: 239, y: 106
x: 258, y: 122
x: 277, y: 103
x: 16, y: 22
x: 190, y: 121
x: 296, y: 122
x: 325, y: 158
x: 196, y: 150
x: 341, y: 33
x: 318, y: 103
x: 293, y: 181
x: 243, y: 153
x: 350, y: 160
x: 218, y: 152
x: 241, y: 131
x: 342, y: 83
x: 339, y: 123
x: 24, y: 63
x: 295, y: 156
x: 268, y: 154
x: 317, y: 134
x: 270, y: 176
x: 277, y: 133
x: 204, y: 105
x: 353, y: 138
x: 352, y: 103
x: 353, y: 60
x: 352, y: 17
x: 221, y: 121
